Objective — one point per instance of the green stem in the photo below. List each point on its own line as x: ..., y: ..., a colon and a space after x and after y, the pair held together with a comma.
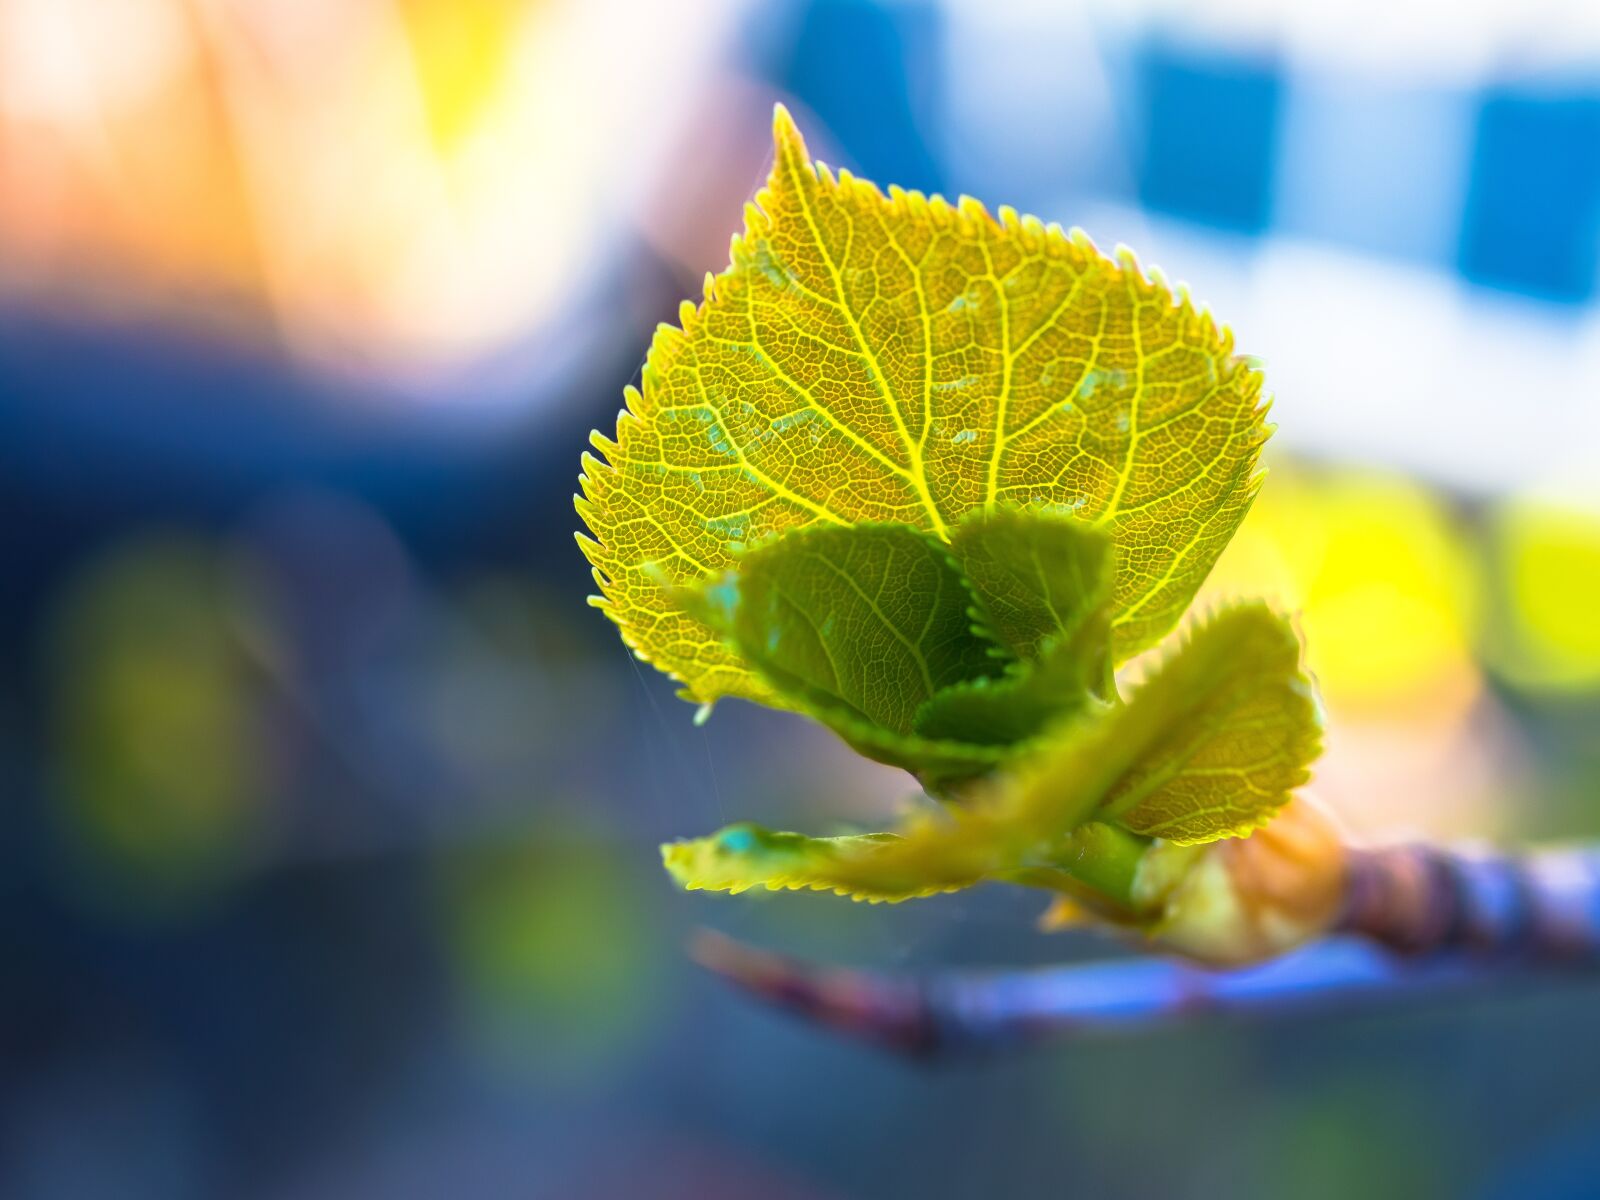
x: 1104, y: 859
x: 1095, y: 865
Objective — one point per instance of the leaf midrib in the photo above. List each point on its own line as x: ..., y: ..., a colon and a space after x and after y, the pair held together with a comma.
x: 915, y: 464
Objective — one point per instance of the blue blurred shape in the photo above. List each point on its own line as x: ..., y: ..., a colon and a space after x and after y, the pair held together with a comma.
x: 1210, y: 136
x: 1375, y: 165
x: 1532, y: 222
x: 871, y: 73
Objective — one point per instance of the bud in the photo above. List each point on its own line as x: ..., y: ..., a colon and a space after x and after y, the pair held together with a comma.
x: 1243, y: 900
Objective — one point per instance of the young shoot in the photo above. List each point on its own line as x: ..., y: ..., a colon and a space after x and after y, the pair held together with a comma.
x: 932, y: 478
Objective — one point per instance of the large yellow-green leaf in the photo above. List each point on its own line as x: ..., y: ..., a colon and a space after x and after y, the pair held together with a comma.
x: 899, y: 359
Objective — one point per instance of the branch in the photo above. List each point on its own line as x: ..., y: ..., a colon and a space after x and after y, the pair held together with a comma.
x: 981, y: 1011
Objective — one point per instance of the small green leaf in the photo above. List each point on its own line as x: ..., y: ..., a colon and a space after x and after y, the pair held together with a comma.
x: 873, y: 620
x: 1043, y: 587
x: 1211, y: 745
x: 859, y: 627
x: 877, y: 867
x: 1011, y: 710
x: 1038, y: 576
x: 1015, y: 826
x: 931, y: 852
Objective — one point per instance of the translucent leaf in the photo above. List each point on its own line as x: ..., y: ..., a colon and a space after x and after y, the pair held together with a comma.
x: 1212, y: 744
x: 899, y: 359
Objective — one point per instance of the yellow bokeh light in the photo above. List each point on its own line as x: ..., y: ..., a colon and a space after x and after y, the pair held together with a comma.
x: 460, y: 53
x: 162, y: 772
x: 543, y: 930
x: 1547, y: 561
x: 1384, y: 579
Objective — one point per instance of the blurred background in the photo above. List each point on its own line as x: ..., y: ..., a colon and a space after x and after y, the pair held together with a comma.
x: 328, y: 865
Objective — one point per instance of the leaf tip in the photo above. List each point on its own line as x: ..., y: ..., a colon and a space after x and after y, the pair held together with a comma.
x: 786, y: 134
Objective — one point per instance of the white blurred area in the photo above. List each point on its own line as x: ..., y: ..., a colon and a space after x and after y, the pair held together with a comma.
x: 387, y: 187
x: 1373, y: 355
x: 1433, y: 40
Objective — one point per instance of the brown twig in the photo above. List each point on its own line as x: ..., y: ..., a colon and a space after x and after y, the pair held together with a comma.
x: 1418, y: 922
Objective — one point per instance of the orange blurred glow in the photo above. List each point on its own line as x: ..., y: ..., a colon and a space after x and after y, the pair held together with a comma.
x: 403, y: 183
x: 115, y: 158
